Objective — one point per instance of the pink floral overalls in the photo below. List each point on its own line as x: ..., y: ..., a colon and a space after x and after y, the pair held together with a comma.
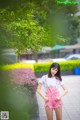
x: 52, y: 93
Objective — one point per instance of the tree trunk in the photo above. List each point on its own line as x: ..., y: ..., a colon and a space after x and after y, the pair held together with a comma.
x: 35, y: 56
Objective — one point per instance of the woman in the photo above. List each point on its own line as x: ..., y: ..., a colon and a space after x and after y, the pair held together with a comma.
x: 52, y: 96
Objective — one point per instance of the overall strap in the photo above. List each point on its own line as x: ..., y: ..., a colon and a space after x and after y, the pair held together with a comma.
x: 46, y: 84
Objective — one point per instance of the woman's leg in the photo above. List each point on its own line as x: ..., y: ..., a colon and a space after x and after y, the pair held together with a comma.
x: 49, y: 113
x: 58, y: 112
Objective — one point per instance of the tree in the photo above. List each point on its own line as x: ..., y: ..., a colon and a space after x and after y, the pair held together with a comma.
x: 32, y: 24
x: 26, y: 30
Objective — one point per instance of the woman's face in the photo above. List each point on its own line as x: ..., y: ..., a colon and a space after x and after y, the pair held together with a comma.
x: 54, y: 71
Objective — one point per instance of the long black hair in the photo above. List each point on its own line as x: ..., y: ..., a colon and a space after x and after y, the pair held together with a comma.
x: 58, y: 74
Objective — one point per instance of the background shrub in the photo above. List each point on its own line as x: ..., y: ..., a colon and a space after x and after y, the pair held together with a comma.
x: 24, y: 76
x: 15, y: 92
x: 68, y: 65
x: 42, y: 67
x: 17, y: 66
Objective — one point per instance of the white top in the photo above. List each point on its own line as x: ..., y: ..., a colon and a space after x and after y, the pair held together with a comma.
x: 50, y: 82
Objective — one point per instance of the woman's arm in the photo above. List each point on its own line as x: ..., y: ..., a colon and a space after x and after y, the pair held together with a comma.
x: 65, y: 90
x: 64, y: 93
x: 40, y: 92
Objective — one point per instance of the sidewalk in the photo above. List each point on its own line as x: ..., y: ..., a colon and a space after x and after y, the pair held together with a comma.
x: 71, y: 102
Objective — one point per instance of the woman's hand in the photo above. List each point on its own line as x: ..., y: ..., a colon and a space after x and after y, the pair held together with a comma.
x: 58, y: 98
x: 45, y: 98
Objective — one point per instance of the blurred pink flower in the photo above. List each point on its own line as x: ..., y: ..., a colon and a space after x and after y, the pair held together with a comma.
x: 24, y: 77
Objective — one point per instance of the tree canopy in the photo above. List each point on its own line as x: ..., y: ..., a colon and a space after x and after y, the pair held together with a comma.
x: 32, y: 24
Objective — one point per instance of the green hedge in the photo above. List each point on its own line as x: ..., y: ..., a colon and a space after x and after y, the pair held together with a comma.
x: 16, y: 66
x: 43, y: 67
x: 68, y: 65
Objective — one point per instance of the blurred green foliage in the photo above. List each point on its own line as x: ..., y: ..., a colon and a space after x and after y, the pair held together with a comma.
x: 68, y: 65
x: 32, y: 24
x: 28, y: 25
x: 16, y: 99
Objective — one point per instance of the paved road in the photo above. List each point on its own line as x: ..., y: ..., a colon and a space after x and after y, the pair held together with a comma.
x: 71, y: 102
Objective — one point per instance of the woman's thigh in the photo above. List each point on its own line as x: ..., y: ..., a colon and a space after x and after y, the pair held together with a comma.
x: 58, y: 112
x: 49, y: 113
